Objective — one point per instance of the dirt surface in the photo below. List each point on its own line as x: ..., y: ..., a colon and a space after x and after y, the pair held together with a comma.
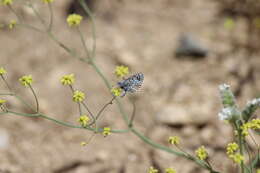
x: 179, y: 95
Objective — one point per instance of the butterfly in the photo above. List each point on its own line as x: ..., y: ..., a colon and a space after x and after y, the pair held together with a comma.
x: 131, y: 84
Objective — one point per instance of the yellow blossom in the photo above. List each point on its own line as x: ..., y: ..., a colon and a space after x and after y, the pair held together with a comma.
x: 237, y: 158
x: 255, y: 124
x: 78, y: 96
x: 83, y: 120
x: 106, y: 131
x: 12, y: 24
x: 47, y: 1
x: 74, y: 19
x: 7, y: 2
x: 2, y: 71
x: 121, y: 71
x: 245, y: 127
x: 258, y: 171
x: 152, y: 170
x: 2, y: 101
x: 201, y: 153
x: 229, y: 23
x: 257, y: 25
x: 231, y: 148
x: 175, y: 140
x: 26, y: 80
x: 67, y: 79
x: 116, y: 91
x: 83, y: 144
x: 170, y: 170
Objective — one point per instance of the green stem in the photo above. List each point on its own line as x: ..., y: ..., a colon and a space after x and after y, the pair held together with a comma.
x: 15, y: 13
x: 93, y: 27
x: 240, y: 144
x: 7, y: 85
x: 23, y: 114
x: 30, y: 5
x: 24, y: 102
x: 83, y: 43
x: 80, y: 110
x: 20, y: 20
x: 250, y: 158
x: 35, y: 97
x: 51, y: 17
x: 169, y: 150
x: 18, y: 98
x: 14, y: 94
x: 62, y: 122
x: 133, y: 115
x: 90, y: 113
x: 104, y: 107
x: 119, y: 105
x: 86, y: 107
x: 67, y: 49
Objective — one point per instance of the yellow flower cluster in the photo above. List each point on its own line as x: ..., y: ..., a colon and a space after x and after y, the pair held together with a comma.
x: 232, y: 148
x: 12, y: 24
x: 229, y: 23
x: 258, y: 171
x: 2, y: 71
x: 237, y: 158
x: 2, y: 101
x: 121, y: 71
x: 78, y: 96
x: 83, y: 120
x: 6, y: 2
x: 232, y: 153
x: 106, y: 131
x: 67, y: 79
x: 174, y: 140
x: 253, y: 124
x: 83, y: 144
x: 74, y: 19
x: 170, y: 170
x: 201, y: 153
x: 26, y: 80
x: 116, y: 91
x: 47, y: 1
x: 152, y: 170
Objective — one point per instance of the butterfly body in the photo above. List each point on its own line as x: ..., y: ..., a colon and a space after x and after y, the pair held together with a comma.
x: 132, y: 83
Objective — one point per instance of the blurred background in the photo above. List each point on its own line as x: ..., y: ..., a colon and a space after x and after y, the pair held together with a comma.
x: 185, y: 49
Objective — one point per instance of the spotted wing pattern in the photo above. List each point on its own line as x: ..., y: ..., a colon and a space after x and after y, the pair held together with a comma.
x: 131, y: 84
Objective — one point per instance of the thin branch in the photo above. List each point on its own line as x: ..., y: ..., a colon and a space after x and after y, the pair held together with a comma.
x: 51, y: 17
x: 14, y: 94
x: 6, y: 83
x: 30, y: 5
x: 83, y: 43
x: 35, y: 97
x: 93, y: 27
x: 15, y: 13
x: 61, y: 122
x: 104, y: 107
x: 133, y: 115
x: 90, y: 113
